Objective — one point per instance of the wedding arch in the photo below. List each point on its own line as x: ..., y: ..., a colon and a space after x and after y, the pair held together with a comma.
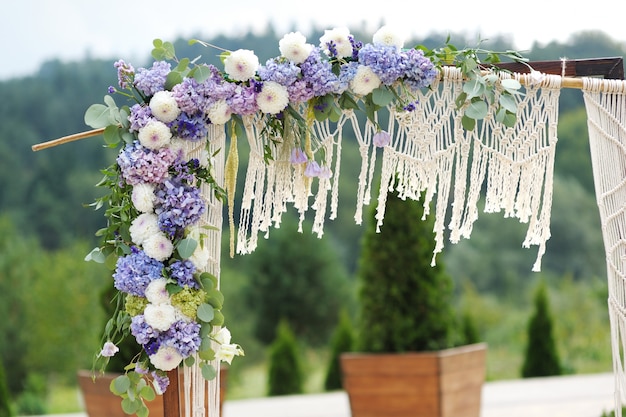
x: 504, y: 155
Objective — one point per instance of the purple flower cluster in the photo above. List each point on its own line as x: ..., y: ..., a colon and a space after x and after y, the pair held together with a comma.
x: 142, y: 165
x: 178, y: 205
x: 149, y: 81
x: 182, y: 272
x: 190, y: 127
x: 319, y: 75
x: 420, y: 72
x: 125, y: 74
x: 134, y: 272
x: 182, y: 335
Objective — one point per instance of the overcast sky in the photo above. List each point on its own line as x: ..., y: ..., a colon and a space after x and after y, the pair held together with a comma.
x: 34, y: 31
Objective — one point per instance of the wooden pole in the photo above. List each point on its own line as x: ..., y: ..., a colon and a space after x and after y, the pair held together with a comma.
x: 66, y: 139
x: 171, y: 399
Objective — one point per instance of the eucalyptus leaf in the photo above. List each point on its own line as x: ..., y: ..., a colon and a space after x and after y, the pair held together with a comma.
x: 186, y: 247
x: 477, y: 110
x: 468, y: 123
x: 473, y: 88
x: 509, y: 119
x: 511, y: 85
x: 147, y: 393
x: 120, y: 385
x: 218, y: 320
x: 206, y: 312
x: 508, y: 102
x: 112, y: 135
x: 130, y: 406
x: 143, y: 411
x: 172, y: 79
x: 208, y: 371
x: 382, y: 96
x: 97, y: 116
x: 95, y: 255
x: 201, y: 73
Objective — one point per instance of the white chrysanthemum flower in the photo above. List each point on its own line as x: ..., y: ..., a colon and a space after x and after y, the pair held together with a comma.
x: 143, y: 197
x: 241, y: 65
x: 154, y: 135
x: 293, y: 46
x: 143, y: 227
x: 166, y: 358
x: 158, y: 246
x: 219, y: 113
x: 156, y: 292
x: 273, y: 98
x: 364, y: 81
x: 160, y: 316
x: 164, y: 107
x: 178, y: 147
x: 340, y: 38
x: 200, y: 257
x: 389, y: 36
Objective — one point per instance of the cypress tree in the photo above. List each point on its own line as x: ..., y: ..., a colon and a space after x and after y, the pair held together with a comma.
x: 541, y: 357
x: 285, y: 369
x: 405, y: 302
x: 342, y: 341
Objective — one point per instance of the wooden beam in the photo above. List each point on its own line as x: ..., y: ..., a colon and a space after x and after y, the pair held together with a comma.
x: 608, y: 68
x: 171, y: 399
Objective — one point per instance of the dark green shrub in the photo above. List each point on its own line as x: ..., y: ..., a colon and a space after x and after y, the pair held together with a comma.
x: 612, y: 413
x: 5, y: 406
x: 405, y: 302
x: 342, y: 341
x: 469, y: 329
x: 285, y: 369
x: 541, y: 358
x: 32, y: 400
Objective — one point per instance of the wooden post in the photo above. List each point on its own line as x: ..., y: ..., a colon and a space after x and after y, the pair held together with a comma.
x: 171, y: 399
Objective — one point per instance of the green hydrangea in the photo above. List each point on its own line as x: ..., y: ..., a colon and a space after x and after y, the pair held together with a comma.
x: 135, y: 304
x: 187, y: 301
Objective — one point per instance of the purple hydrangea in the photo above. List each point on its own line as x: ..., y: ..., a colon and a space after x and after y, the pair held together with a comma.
x: 188, y: 98
x: 384, y: 60
x: 125, y: 74
x: 319, y: 74
x: 141, y: 165
x: 150, y: 81
x: 134, y: 272
x: 300, y: 91
x: 182, y: 272
x: 139, y: 117
x: 243, y: 99
x: 283, y: 72
x: 419, y: 71
x: 190, y: 127
x: 161, y: 380
x: 178, y: 205
x: 183, y: 336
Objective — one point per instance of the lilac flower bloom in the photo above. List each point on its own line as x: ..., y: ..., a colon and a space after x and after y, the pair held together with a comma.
x: 183, y: 336
x: 143, y: 333
x: 384, y: 60
x: 419, y: 71
x: 125, y: 74
x: 177, y: 206
x: 149, y: 81
x: 160, y: 382
x: 298, y: 156
x: 135, y: 271
x: 142, y: 165
x: 182, y: 272
x: 243, y: 99
x: 319, y: 74
x: 312, y: 169
x: 284, y: 73
x: 300, y: 92
x: 109, y: 349
x: 140, y: 369
x: 356, y: 46
x: 188, y: 98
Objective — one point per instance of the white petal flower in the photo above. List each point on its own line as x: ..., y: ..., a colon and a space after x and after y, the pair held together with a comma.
x: 154, y: 135
x: 223, y: 336
x: 389, y: 36
x: 156, y: 292
x: 273, y: 98
x: 340, y: 39
x: 200, y: 257
x: 293, y: 46
x: 364, y: 81
x: 164, y: 107
x: 226, y: 353
x: 143, y: 227
x: 158, y: 246
x: 241, y: 65
x: 160, y: 316
x: 109, y: 349
x: 143, y: 197
x: 219, y: 113
x: 166, y: 358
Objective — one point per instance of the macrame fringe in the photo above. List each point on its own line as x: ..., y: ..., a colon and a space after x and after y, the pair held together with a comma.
x: 605, y: 102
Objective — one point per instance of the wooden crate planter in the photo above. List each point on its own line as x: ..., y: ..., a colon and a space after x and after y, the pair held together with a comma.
x: 445, y: 383
x: 99, y: 401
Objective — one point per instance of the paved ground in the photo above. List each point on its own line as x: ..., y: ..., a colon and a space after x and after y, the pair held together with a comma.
x: 567, y: 396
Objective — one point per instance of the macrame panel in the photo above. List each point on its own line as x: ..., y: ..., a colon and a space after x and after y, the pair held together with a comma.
x: 201, y: 397
x: 605, y: 102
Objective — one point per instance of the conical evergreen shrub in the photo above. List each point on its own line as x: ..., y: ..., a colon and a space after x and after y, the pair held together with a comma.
x: 285, y: 369
x: 342, y: 341
x: 405, y: 303
x: 541, y: 358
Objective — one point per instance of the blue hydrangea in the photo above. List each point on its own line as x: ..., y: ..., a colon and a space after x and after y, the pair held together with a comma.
x: 142, y: 165
x: 150, y: 81
x: 319, y: 74
x: 182, y: 272
x: 283, y: 72
x: 384, y: 60
x: 178, y: 205
x: 183, y: 336
x: 190, y: 127
x: 419, y: 71
x: 135, y: 271
x: 243, y: 99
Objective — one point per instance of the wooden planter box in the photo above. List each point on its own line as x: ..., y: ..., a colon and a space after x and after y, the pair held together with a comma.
x: 445, y: 383
x: 99, y: 401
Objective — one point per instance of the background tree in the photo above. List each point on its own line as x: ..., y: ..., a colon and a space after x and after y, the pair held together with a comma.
x: 5, y: 406
x: 541, y: 358
x: 285, y: 375
x: 405, y: 303
x: 342, y: 341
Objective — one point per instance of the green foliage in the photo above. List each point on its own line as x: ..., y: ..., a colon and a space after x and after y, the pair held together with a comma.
x: 32, y: 401
x: 296, y: 277
x: 405, y: 302
x: 285, y: 374
x: 612, y: 413
x: 342, y: 341
x: 469, y: 329
x: 541, y: 358
x: 5, y: 406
